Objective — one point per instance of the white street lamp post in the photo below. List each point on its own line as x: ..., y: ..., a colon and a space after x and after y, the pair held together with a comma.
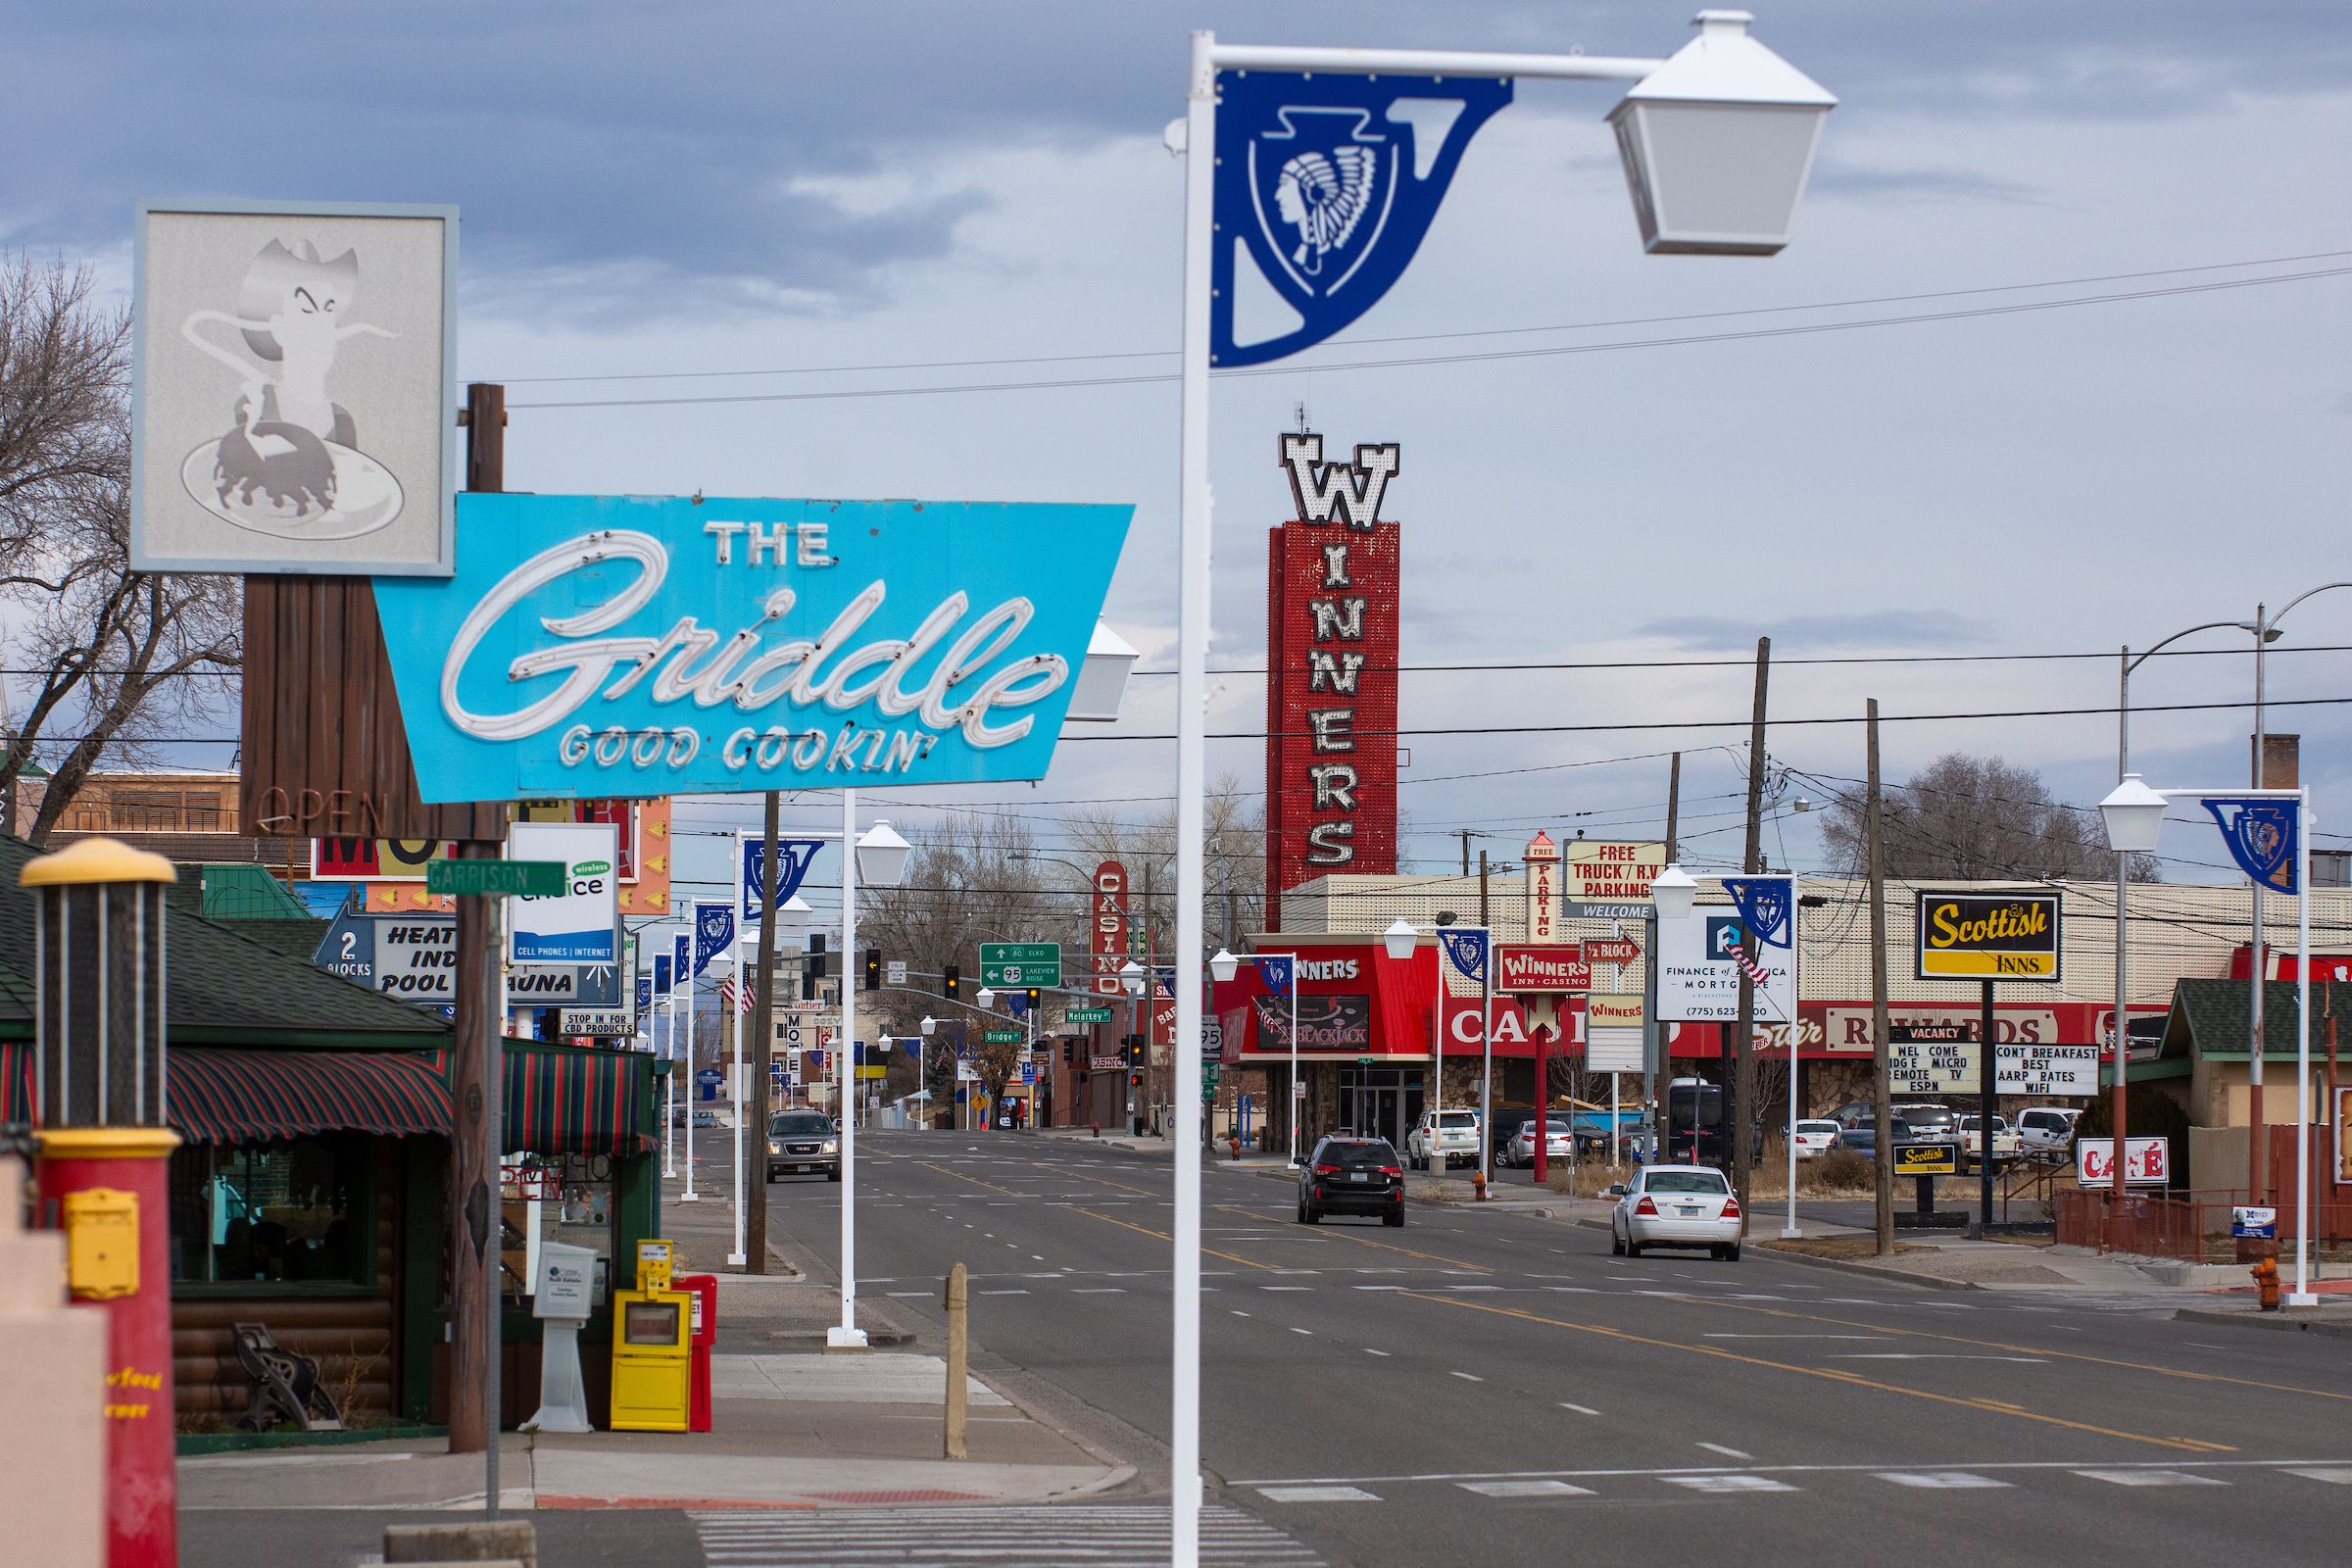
x: 1714, y: 169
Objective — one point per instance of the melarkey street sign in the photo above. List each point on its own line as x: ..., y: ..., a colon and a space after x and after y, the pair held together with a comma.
x: 640, y: 646
x: 2008, y: 936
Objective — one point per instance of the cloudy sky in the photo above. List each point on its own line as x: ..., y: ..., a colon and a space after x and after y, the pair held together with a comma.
x: 740, y: 200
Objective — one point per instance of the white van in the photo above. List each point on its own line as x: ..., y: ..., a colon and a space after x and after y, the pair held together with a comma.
x: 2048, y: 1130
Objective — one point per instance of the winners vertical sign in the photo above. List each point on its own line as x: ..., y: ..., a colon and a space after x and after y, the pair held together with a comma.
x: 1331, y: 671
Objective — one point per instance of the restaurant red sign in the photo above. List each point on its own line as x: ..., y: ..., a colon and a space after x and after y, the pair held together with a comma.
x: 1541, y: 969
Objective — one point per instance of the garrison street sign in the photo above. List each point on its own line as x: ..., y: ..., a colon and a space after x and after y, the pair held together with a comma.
x: 1018, y: 965
x: 1970, y: 936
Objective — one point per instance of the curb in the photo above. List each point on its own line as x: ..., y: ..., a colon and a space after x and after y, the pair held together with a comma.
x: 192, y: 1445
x: 2338, y: 1329
x: 1871, y: 1271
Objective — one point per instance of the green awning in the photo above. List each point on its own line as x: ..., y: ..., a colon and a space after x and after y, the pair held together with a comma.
x: 577, y: 1101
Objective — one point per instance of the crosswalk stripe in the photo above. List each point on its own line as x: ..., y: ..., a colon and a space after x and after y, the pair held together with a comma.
x: 1104, y: 1535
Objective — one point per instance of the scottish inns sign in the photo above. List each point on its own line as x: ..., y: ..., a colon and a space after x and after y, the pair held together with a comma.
x: 609, y: 646
x: 1331, y: 671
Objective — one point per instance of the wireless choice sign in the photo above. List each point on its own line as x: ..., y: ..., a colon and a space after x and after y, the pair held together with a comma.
x: 2008, y: 936
x: 631, y: 646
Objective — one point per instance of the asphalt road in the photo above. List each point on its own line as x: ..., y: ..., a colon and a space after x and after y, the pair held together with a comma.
x: 1491, y: 1388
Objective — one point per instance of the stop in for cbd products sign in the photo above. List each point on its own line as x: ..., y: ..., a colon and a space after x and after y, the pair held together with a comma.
x: 1331, y: 677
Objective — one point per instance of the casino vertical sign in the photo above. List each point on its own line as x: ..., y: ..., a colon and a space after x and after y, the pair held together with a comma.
x: 1332, y: 585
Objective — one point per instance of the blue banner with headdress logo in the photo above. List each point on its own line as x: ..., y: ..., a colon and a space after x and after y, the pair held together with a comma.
x: 1467, y: 950
x: 714, y: 933
x: 1278, y: 972
x: 2260, y: 835
x: 1326, y: 184
x: 1764, y: 904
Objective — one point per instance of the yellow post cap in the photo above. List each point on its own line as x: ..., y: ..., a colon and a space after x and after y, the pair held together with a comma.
x: 96, y: 860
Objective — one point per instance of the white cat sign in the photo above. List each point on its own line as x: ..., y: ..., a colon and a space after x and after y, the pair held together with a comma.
x: 294, y: 388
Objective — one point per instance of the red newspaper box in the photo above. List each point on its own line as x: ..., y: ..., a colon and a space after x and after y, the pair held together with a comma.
x: 705, y: 1289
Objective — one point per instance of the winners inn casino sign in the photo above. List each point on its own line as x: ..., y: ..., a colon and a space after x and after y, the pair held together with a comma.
x: 607, y: 646
x: 1331, y: 671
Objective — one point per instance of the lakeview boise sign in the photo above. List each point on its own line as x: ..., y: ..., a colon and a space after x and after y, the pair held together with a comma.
x: 294, y: 387
x: 1332, y: 590
x: 2007, y: 936
x: 616, y: 646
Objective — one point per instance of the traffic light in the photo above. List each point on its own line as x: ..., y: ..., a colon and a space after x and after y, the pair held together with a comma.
x: 1132, y: 1047
x: 952, y: 985
x: 813, y: 968
x: 1070, y: 1052
x: 873, y: 968
x: 1035, y: 995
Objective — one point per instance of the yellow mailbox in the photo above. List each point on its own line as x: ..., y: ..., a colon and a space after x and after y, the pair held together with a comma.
x: 651, y: 1361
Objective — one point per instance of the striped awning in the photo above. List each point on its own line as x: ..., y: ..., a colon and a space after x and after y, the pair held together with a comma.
x: 243, y: 1096
x: 577, y: 1103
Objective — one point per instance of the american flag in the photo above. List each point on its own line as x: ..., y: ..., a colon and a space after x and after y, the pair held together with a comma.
x: 741, y: 999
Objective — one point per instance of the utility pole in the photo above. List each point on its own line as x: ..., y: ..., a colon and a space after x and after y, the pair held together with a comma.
x: 1744, y: 1054
x: 1873, y: 829
x: 755, y: 1230
x: 1658, y: 1080
x: 1466, y: 835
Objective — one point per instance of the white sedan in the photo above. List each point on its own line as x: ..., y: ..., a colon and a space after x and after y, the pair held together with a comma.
x: 1559, y: 1144
x: 1815, y: 1138
x: 1676, y: 1205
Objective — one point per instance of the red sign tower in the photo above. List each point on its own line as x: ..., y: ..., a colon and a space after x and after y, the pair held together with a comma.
x: 1332, y: 579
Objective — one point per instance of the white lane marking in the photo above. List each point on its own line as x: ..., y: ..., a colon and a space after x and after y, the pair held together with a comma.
x: 1728, y: 1453
x: 1315, y: 1494
x: 1038, y: 1257
x: 915, y: 1294
x: 1237, y: 1311
x: 1368, y: 1350
x: 1367, y: 1287
x: 1102, y: 1289
x: 1579, y: 1409
x: 1937, y: 1480
x: 2341, y: 1478
x: 1003, y: 1292
x: 1286, y: 1287
x: 2151, y: 1478
x: 1878, y: 1336
x: 1524, y: 1489
x: 1728, y: 1483
x: 1302, y: 1330
x: 1466, y: 1376
x: 1917, y: 1356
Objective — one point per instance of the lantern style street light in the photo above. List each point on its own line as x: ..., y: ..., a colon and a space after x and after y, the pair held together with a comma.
x: 1717, y: 156
x: 1101, y: 683
x: 1224, y: 966
x: 882, y: 856
x: 1674, y: 892
x: 1400, y: 939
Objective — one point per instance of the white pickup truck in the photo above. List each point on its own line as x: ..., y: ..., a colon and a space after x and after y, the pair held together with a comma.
x: 2008, y: 1143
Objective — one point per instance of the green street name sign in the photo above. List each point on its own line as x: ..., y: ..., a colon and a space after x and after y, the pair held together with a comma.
x: 530, y: 879
x: 1003, y: 1036
x: 1087, y: 1016
x: 1018, y: 965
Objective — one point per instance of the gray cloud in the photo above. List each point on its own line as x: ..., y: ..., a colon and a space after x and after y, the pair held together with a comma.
x: 1833, y: 177
x: 1884, y: 628
x: 659, y: 144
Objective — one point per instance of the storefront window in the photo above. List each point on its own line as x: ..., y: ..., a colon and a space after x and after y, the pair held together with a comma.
x: 556, y: 1198
x: 292, y: 1212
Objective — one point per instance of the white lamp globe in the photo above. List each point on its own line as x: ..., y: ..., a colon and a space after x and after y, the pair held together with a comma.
x: 882, y: 856
x: 930, y: 1025
x: 986, y: 998
x: 1224, y: 966
x: 1131, y: 978
x: 1400, y: 939
x: 1674, y: 893
x: 2134, y: 817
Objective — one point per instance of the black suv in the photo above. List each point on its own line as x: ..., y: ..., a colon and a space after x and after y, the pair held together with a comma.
x: 803, y: 1140
x: 1353, y: 1176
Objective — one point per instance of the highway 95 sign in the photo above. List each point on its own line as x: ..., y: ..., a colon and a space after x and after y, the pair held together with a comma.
x: 2008, y: 936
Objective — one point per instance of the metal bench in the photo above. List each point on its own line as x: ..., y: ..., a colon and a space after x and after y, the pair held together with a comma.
x: 281, y: 1386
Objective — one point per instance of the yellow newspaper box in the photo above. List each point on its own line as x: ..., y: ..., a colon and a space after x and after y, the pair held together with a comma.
x: 652, y: 1359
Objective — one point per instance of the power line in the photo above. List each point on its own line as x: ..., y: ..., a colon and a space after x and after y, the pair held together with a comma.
x: 1406, y: 362
x: 1440, y: 337
x: 1747, y: 662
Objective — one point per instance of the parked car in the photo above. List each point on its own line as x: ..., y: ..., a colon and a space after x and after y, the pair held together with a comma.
x: 802, y: 1142
x: 1930, y: 1124
x: 2007, y: 1144
x: 1862, y: 1138
x: 1558, y: 1143
x: 1815, y: 1138
x: 704, y: 1117
x: 1502, y: 1125
x: 1457, y: 1140
x: 2047, y: 1131
x: 1676, y: 1206
x: 1353, y: 1176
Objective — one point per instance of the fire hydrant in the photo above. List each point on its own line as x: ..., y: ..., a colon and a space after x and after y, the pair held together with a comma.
x: 1236, y: 1142
x: 2265, y: 1276
x: 1478, y: 1181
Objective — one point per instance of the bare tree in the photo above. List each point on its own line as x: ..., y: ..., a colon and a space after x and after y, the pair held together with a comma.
x: 1236, y: 862
x: 119, y: 654
x: 1977, y: 819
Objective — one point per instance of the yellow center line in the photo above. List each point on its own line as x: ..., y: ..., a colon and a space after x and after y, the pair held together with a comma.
x: 1999, y: 1345
x: 1091, y: 1214
x: 1104, y: 1181
x: 1854, y: 1379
